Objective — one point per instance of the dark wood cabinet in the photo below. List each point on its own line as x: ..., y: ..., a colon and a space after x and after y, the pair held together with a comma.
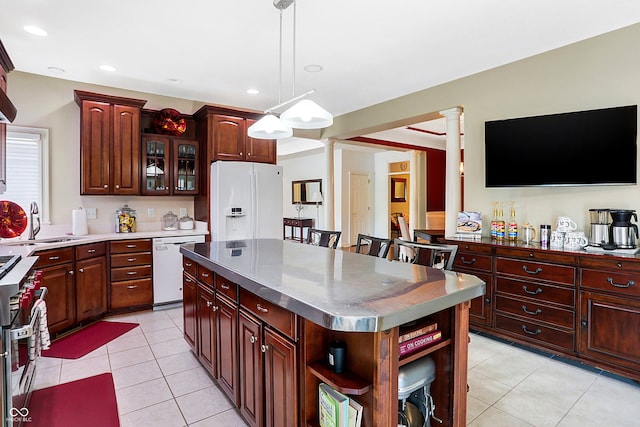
x: 477, y: 260
x: 189, y: 310
x: 91, y: 281
x: 58, y: 277
x: 109, y: 144
x: 227, y: 345
x: 251, y: 370
x: 6, y: 66
x: 169, y: 165
x: 131, y: 280
x: 280, y: 370
x: 206, y: 324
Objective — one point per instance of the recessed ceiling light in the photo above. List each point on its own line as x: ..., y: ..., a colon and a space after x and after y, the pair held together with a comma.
x: 107, y: 68
x: 253, y: 91
x: 174, y: 81
x: 313, y: 68
x: 36, y: 31
x: 56, y: 70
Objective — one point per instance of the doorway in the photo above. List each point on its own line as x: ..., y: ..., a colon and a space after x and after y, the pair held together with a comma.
x: 359, y: 205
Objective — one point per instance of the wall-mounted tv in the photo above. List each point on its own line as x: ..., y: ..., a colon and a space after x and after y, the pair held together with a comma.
x: 595, y: 147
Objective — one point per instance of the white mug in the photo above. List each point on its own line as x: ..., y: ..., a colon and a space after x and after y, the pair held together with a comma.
x: 575, y: 240
x: 557, y: 239
x: 564, y: 224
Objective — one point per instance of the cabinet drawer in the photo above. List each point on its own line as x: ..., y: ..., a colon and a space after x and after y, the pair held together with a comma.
x: 124, y: 246
x: 536, y: 312
x: 289, y: 221
x: 537, y: 255
x: 619, y: 264
x: 227, y: 287
x: 131, y: 293
x: 90, y: 250
x: 472, y: 260
x: 536, y: 332
x: 127, y: 260
x: 537, y: 291
x: 54, y: 257
x: 272, y: 314
x: 205, y: 275
x: 536, y: 270
x: 189, y: 266
x: 626, y: 284
x: 476, y: 248
x: 131, y: 273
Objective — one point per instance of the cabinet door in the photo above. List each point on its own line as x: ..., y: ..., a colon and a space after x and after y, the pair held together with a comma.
x: 229, y: 138
x: 95, y: 137
x: 185, y: 166
x: 91, y: 288
x: 189, y: 299
x: 480, y: 310
x: 609, y: 331
x: 251, y: 371
x: 227, y: 348
x: 280, y: 380
x: 156, y: 165
x: 125, y: 167
x: 206, y: 328
x: 61, y: 312
x: 260, y: 150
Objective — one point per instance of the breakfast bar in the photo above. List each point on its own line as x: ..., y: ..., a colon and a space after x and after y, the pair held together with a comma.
x: 261, y: 315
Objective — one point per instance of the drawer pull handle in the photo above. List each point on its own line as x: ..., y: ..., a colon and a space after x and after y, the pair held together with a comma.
x: 54, y: 258
x: 262, y: 309
x: 91, y: 251
x: 131, y: 259
x: 538, y: 270
x: 132, y: 286
x: 209, y: 303
x: 81, y: 270
x: 533, y: 313
x: 264, y: 348
x: 224, y: 286
x: 204, y: 274
x: 617, y: 285
x: 131, y: 273
x: 473, y: 260
x: 214, y: 308
x: 526, y: 331
x: 187, y: 280
x: 188, y: 264
x: 131, y: 246
x: 536, y: 292
x: 252, y: 339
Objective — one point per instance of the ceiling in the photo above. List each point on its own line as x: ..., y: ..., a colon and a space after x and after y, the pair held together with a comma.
x: 370, y: 51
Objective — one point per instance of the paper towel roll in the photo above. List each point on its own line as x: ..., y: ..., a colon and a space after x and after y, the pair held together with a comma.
x: 79, y: 222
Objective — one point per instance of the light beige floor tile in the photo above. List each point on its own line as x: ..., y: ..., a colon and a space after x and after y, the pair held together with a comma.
x: 162, y: 335
x: 189, y: 381
x: 156, y: 324
x: 610, y: 402
x: 493, y: 417
x: 142, y: 395
x: 98, y: 352
x: 203, y: 404
x: 47, y: 376
x: 475, y: 407
x: 130, y: 357
x: 485, y: 388
x: 136, y: 374
x: 163, y: 414
x: 83, y: 368
x: 47, y: 362
x: 573, y: 420
x: 128, y: 317
x: 168, y: 348
x: 178, y: 362
x: 124, y: 343
x: 229, y: 418
x: 530, y: 409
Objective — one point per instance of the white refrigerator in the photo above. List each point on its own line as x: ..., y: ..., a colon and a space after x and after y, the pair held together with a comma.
x: 246, y: 201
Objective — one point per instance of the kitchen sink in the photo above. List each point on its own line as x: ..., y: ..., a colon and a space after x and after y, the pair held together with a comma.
x: 43, y: 241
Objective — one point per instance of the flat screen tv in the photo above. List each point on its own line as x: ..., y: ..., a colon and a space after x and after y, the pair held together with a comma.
x: 595, y: 147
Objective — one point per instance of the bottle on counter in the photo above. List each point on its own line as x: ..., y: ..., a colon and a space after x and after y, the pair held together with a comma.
x: 512, y: 232
x: 494, y: 221
x: 500, y: 224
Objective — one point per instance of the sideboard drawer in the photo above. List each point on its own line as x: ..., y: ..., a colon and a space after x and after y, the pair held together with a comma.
x: 125, y: 246
x: 272, y: 314
x: 625, y: 284
x: 536, y: 270
x: 90, y: 250
x: 131, y: 293
x: 536, y: 332
x: 472, y: 260
x: 536, y: 312
x: 537, y: 291
x: 126, y: 260
x: 130, y: 273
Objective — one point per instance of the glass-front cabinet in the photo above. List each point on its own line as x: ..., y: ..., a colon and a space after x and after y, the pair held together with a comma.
x: 169, y: 165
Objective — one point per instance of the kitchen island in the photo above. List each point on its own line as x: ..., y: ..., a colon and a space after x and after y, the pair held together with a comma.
x: 285, y: 302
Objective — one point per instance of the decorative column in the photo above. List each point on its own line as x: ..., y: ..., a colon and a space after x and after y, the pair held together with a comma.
x: 452, y: 204
x: 327, y: 188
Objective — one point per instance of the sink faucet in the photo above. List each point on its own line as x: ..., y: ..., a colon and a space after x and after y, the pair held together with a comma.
x: 33, y: 211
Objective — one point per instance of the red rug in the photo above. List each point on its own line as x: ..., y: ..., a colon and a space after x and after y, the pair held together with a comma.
x: 88, y: 339
x: 86, y: 402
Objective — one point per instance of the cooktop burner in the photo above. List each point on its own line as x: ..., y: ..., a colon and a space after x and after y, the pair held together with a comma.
x: 7, y: 262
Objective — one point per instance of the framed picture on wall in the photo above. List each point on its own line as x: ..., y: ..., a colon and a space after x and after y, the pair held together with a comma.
x: 398, y: 189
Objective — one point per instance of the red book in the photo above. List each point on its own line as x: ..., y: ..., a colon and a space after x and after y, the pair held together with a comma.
x: 417, y: 343
x: 417, y: 332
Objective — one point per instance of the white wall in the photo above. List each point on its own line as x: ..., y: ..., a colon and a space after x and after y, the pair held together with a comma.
x: 382, y: 190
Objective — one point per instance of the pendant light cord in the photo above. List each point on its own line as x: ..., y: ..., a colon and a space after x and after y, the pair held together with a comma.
x: 293, y: 53
x: 280, y: 64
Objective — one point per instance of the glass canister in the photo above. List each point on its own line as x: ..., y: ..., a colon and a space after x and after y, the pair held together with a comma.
x: 170, y: 221
x: 125, y: 220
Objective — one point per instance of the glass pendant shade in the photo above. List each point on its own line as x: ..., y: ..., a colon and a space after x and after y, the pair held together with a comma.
x: 269, y: 127
x: 306, y: 114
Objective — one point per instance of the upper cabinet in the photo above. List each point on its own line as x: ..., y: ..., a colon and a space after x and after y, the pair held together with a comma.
x: 169, y: 165
x: 109, y: 144
x: 231, y: 142
x: 6, y: 66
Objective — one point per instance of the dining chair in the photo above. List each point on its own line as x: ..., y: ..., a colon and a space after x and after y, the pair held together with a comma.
x: 404, y: 228
x: 325, y: 238
x: 439, y: 256
x: 373, y: 246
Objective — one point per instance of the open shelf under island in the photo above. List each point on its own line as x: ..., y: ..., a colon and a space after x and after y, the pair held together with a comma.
x: 285, y: 303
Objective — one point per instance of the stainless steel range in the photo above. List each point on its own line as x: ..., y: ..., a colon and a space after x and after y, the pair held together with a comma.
x: 20, y: 316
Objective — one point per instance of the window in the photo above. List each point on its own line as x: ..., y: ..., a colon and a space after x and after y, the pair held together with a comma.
x: 27, y: 168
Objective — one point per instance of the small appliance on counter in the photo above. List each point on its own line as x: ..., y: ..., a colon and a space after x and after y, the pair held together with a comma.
x: 170, y: 221
x: 125, y: 220
x: 623, y: 233
x: 600, y: 221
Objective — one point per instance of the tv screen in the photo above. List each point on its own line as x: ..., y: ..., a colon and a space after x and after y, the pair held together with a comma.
x: 595, y: 147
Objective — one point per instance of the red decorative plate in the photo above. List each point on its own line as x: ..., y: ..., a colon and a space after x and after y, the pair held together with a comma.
x: 169, y: 122
x: 13, y: 219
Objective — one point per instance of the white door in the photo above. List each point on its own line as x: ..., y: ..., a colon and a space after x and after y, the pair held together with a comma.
x: 359, y: 205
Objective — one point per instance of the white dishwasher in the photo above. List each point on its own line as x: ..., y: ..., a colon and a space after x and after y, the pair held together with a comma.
x: 167, y: 270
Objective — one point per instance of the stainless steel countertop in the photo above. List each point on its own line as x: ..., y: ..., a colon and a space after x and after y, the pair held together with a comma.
x: 339, y: 290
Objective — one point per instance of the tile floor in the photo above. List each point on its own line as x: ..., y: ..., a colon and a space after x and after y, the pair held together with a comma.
x: 160, y: 383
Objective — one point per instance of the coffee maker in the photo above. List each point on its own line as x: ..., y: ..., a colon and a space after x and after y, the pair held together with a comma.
x: 623, y: 233
x: 600, y: 221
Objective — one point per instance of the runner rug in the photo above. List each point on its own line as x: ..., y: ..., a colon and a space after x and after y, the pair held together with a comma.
x: 86, y: 402
x: 86, y: 340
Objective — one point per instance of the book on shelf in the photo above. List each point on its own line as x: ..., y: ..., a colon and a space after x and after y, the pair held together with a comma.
x: 406, y: 335
x: 417, y: 343
x: 333, y: 407
x: 355, y: 414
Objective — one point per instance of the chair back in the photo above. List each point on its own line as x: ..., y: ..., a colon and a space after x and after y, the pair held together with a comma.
x: 325, y: 238
x: 373, y: 246
x: 404, y: 228
x: 430, y: 254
